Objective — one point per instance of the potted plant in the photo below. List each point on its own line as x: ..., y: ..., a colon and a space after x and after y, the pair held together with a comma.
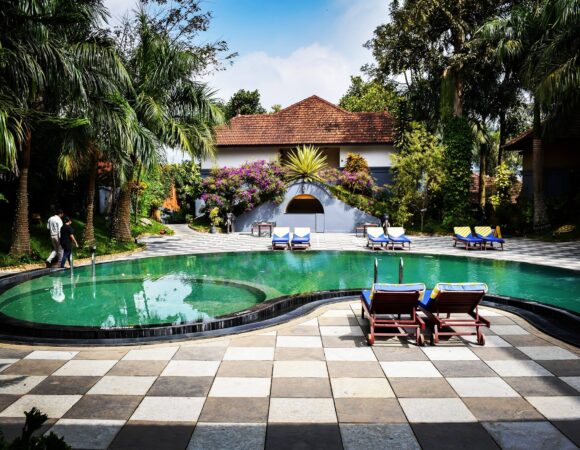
x: 215, y: 219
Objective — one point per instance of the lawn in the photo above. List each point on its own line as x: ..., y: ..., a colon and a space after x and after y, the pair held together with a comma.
x: 41, y: 246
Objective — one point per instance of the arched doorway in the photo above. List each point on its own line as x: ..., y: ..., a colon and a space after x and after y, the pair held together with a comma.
x: 304, y: 204
x: 305, y: 210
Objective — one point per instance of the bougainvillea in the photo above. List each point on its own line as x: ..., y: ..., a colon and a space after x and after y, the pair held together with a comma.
x: 241, y: 189
x: 354, y: 182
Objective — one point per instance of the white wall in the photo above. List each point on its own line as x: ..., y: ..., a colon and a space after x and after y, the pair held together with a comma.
x: 235, y: 157
x: 376, y: 155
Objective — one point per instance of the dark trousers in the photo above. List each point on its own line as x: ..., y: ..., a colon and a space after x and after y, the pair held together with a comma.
x: 65, y: 256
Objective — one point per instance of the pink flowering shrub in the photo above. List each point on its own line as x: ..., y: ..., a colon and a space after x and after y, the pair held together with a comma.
x: 355, y: 182
x: 241, y: 189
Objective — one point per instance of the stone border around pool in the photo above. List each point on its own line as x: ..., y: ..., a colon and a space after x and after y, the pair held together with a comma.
x: 556, y: 322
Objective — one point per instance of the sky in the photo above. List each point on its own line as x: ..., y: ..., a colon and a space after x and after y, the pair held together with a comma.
x: 288, y: 49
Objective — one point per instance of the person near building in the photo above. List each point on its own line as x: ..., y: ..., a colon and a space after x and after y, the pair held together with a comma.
x: 54, y: 225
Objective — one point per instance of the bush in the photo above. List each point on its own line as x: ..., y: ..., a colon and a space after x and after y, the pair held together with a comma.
x: 356, y: 163
x: 458, y: 141
x: 241, y: 189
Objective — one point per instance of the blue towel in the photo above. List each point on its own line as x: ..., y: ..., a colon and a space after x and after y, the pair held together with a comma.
x: 400, y: 239
x: 469, y: 238
x: 301, y: 240
x: 366, y: 295
x: 491, y: 238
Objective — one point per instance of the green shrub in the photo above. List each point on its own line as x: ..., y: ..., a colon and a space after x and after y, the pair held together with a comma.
x: 356, y: 163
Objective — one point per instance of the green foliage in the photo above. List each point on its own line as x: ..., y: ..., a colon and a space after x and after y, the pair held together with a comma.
x: 187, y: 181
x: 503, y: 185
x: 356, y: 163
x: 458, y: 141
x: 371, y: 205
x: 154, y: 189
x: 304, y: 163
x: 275, y: 108
x: 419, y: 174
x: 371, y: 96
x: 214, y: 217
x: 26, y: 441
x: 244, y: 102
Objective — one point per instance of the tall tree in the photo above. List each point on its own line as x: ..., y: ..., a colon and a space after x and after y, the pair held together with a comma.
x: 370, y: 96
x: 50, y: 51
x: 172, y: 109
x: 541, y: 39
x: 428, y: 42
x: 244, y: 102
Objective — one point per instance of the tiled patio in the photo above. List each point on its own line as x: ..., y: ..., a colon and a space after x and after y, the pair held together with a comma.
x: 311, y: 383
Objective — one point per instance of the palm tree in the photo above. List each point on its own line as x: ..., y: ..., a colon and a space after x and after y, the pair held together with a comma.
x: 541, y: 38
x: 50, y: 51
x: 172, y: 109
x: 304, y: 163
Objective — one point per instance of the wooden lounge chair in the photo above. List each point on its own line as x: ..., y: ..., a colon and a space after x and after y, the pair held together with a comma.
x: 300, y: 237
x: 396, y: 235
x: 463, y: 234
x: 385, y: 303
x: 376, y: 236
x: 280, y: 237
x: 455, y: 298
x: 487, y: 235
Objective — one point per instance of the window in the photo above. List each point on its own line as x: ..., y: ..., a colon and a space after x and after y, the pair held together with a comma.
x: 304, y: 204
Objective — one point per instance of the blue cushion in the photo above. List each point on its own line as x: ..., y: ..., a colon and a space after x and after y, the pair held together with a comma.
x: 427, y: 301
x: 284, y: 238
x: 400, y: 239
x: 366, y: 296
x: 385, y: 287
x: 491, y: 238
x: 379, y: 239
x: 469, y: 238
x: 301, y: 239
x: 462, y: 287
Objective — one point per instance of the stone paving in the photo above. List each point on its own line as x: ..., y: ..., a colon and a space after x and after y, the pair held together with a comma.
x: 311, y: 383
x: 185, y: 241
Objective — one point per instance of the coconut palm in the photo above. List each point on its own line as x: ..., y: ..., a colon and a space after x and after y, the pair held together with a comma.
x: 541, y: 38
x: 172, y: 109
x: 304, y: 163
x: 50, y: 51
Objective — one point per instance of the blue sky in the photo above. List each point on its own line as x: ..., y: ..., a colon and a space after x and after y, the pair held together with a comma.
x: 289, y: 49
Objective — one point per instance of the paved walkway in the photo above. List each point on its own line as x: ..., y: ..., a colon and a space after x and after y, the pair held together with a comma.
x: 310, y: 384
x: 185, y: 240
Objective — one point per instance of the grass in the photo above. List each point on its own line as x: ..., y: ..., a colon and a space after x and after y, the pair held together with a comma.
x: 41, y: 246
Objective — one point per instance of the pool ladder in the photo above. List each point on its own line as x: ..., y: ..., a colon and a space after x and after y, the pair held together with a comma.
x: 401, y: 271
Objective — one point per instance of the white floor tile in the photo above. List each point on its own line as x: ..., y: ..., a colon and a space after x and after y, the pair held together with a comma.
x: 482, y: 387
x: 410, y: 369
x: 184, y: 368
x: 300, y: 369
x: 240, y: 387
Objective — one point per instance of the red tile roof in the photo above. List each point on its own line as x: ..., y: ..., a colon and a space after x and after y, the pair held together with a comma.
x: 310, y: 121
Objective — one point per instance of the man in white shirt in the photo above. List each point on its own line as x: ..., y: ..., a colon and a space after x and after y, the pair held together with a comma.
x: 54, y: 225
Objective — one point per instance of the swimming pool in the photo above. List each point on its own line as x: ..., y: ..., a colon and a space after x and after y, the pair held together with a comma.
x: 199, y: 288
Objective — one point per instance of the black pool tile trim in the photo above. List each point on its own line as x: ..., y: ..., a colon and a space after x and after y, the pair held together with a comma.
x: 559, y: 323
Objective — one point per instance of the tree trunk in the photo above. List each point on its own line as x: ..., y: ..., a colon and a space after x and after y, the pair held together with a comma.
x: 20, y: 229
x: 122, y: 222
x: 482, y: 171
x: 89, y: 235
x: 541, y: 221
x: 458, y: 97
x: 501, y: 136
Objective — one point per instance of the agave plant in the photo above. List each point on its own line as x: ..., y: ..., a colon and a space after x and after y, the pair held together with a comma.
x: 304, y: 163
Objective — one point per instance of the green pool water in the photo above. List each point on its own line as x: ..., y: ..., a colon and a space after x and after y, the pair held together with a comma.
x: 180, y: 289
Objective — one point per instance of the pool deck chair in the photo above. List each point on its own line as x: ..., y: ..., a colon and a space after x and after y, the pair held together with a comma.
x: 396, y: 235
x: 455, y: 298
x: 463, y: 235
x: 487, y: 235
x: 376, y: 236
x: 280, y: 237
x: 385, y: 303
x: 300, y: 237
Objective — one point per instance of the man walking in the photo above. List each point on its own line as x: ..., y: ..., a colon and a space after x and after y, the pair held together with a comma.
x: 54, y: 225
x: 67, y: 238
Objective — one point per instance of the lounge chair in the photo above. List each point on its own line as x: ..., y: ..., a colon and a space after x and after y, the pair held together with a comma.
x: 376, y: 236
x: 487, y: 235
x: 280, y: 237
x: 300, y: 238
x: 397, y: 236
x: 463, y: 234
x: 451, y: 298
x: 384, y: 300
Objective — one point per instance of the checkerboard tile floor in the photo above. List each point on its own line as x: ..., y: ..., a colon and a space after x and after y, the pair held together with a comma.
x: 311, y: 383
